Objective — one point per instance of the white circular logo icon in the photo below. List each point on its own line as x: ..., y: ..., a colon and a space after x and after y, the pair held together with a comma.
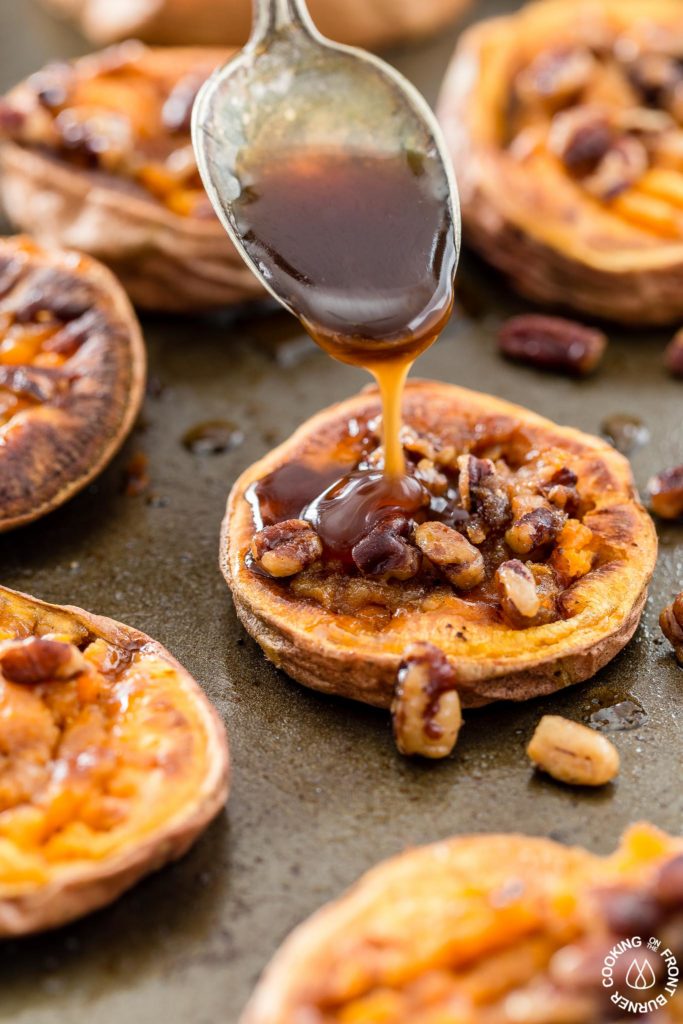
x: 642, y: 977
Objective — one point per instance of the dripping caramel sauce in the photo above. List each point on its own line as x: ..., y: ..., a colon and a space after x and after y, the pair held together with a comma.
x: 362, y: 247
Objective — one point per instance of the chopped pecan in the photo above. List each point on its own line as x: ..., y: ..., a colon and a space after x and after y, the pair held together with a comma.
x: 556, y: 76
x: 286, y: 548
x: 548, y: 590
x: 387, y: 551
x: 552, y: 343
x: 535, y: 530
x: 561, y: 491
x: 460, y: 561
x: 654, y: 75
x: 482, y: 492
x: 572, y: 752
x: 435, y: 481
x: 426, y: 707
x: 622, y: 166
x: 580, y: 137
x: 517, y: 591
x: 39, y: 660
x: 671, y: 622
x: 673, y: 357
x: 666, y: 493
x: 644, y: 121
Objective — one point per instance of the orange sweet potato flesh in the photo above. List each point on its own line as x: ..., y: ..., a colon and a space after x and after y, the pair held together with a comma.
x: 618, y: 256
x: 473, y: 930
x: 111, y: 761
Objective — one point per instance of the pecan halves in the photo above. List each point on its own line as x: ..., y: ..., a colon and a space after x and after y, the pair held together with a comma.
x: 40, y: 660
x: 519, y: 598
x: 387, y: 552
x: 461, y: 563
x: 535, y: 529
x: 482, y: 493
x: 287, y: 548
x: 426, y: 707
x: 666, y: 493
x: 552, y: 343
x: 671, y: 622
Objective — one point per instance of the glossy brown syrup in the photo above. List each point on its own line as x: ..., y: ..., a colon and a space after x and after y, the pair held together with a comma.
x: 362, y: 248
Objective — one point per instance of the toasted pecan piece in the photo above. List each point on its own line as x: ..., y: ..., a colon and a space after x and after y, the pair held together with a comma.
x: 113, y: 761
x: 72, y: 376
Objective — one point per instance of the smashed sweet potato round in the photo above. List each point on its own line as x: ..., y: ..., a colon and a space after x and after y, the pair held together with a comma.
x: 208, y: 22
x: 72, y: 376
x: 490, y: 929
x: 112, y: 761
x: 565, y: 123
x: 97, y: 156
x: 535, y: 579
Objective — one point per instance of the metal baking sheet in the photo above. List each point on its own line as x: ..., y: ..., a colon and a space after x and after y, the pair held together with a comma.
x: 319, y: 793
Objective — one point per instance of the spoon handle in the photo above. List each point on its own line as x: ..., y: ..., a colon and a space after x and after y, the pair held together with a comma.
x: 272, y: 16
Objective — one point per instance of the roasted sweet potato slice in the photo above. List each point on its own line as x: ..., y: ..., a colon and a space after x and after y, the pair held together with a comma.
x: 72, y: 376
x: 534, y: 580
x: 565, y: 122
x: 112, y: 761
x: 489, y: 930
x: 98, y: 157
x: 208, y: 22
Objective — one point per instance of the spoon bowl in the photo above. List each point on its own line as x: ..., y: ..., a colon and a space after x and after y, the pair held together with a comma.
x: 291, y: 89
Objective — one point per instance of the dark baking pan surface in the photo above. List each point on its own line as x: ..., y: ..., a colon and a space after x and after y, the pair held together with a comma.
x: 319, y: 793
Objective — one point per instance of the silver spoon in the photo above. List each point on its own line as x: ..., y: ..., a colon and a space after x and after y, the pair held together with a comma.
x: 289, y: 87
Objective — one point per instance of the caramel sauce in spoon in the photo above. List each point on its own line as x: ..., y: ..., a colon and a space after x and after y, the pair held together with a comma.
x: 361, y: 245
